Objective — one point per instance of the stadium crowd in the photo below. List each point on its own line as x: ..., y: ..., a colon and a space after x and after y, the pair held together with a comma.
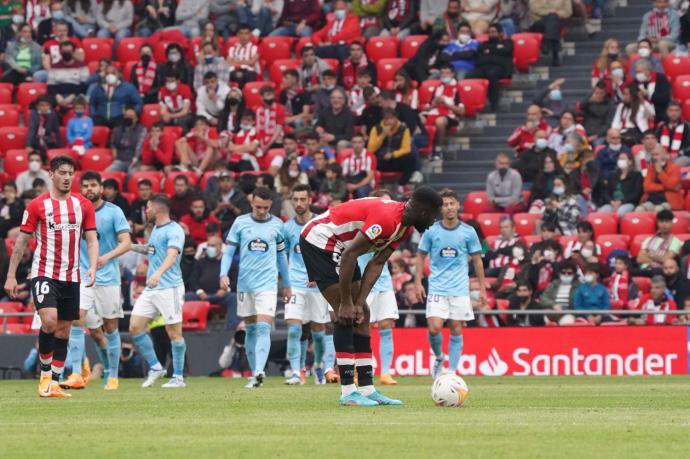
x: 202, y: 100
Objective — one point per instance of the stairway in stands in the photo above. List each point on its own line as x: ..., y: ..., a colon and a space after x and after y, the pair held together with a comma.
x: 470, y: 155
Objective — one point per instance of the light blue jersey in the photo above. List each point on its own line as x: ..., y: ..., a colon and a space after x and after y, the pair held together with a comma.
x: 298, y: 272
x: 259, y: 243
x: 164, y: 237
x: 449, y: 250
x: 385, y: 282
x: 110, y: 222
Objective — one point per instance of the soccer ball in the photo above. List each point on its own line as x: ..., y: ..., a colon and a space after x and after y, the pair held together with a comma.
x: 449, y: 390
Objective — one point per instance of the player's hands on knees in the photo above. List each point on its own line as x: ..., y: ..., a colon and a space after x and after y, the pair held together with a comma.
x: 360, y: 314
x: 11, y: 287
x: 420, y: 293
x: 92, y: 276
x: 347, y: 314
x: 225, y: 283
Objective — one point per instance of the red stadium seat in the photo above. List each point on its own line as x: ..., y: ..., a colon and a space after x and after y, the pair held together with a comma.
x: 473, y: 94
x: 378, y: 48
x: 55, y: 152
x: 16, y: 161
x: 386, y: 68
x: 28, y: 92
x: 8, y: 307
x: 426, y: 92
x: 674, y: 66
x: 681, y: 222
x: 683, y: 236
x: 531, y: 240
x: 156, y: 178
x: 100, y: 136
x: 9, y: 116
x: 686, y: 109
x: 127, y: 70
x: 118, y: 176
x: 634, y: 223
x: 526, y: 51
x: 636, y: 243
x: 611, y: 242
x: 525, y: 224
x: 273, y: 48
x: 96, y: 159
x: 477, y: 202
x: 301, y: 43
x: 410, y: 44
x: 643, y: 284
x: 128, y: 49
x: 489, y: 222
x: 251, y: 95
x: 275, y: 72
x: 681, y: 87
x: 195, y: 315
x: 150, y: 113
x: 565, y: 240
x: 194, y: 48
x: 603, y: 223
x: 5, y: 94
x: 159, y: 48
x: 169, y: 182
x: 12, y: 138
x: 175, y: 132
x: 266, y: 160
x: 431, y: 135
x: 76, y: 182
x: 96, y: 48
x: 334, y: 64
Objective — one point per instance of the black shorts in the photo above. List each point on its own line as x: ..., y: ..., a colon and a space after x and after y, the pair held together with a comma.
x: 323, y: 267
x: 51, y: 293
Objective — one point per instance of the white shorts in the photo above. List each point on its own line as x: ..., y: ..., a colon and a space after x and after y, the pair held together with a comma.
x: 100, y: 302
x: 166, y: 301
x: 382, y: 306
x: 256, y: 303
x: 449, y: 307
x: 307, y: 307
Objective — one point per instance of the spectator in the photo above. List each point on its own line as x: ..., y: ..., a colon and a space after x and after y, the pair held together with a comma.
x: 182, y: 199
x: 126, y: 141
x: 429, y: 10
x: 11, y: 210
x: 335, y: 125
x: 230, y: 118
x: 370, y: 13
x: 39, y: 187
x: 111, y: 193
x: 175, y: 99
x: 634, y: 115
x: 661, y: 26
x: 340, y: 29
x: 584, y: 244
x: 52, y: 33
x: 362, y: 92
x: 597, y: 111
x: 210, y: 99
x: 501, y: 249
x: 653, y: 87
x: 114, y: 18
x: 143, y: 75
x: 261, y: 15
x: 573, y: 155
x: 562, y: 208
x: 322, y: 98
x: 295, y: 99
x: 677, y: 284
x: 333, y: 190
x: 514, y: 271
x: 355, y: 62
x: 137, y: 213
x: 157, y: 151
x: 523, y: 300
x: 624, y: 187
x: 401, y: 19
x: 67, y: 78
x: 288, y: 176
x: 658, y: 299
x: 607, y: 157
x: 189, y: 15
x: 81, y: 15
x: 445, y: 107
x: 243, y: 58
x: 359, y: 169
x: 409, y: 116
x: 480, y: 13
x: 643, y: 157
x: 685, y: 40
x: 674, y: 135
x: 270, y: 119
x: 495, y: 62
x: 558, y: 140
x: 504, y: 186
x: 35, y: 171
x: 108, y: 100
x: 610, y: 52
x: 522, y: 139
x: 211, y: 63
x: 226, y: 200
x: 644, y: 51
x: 616, y: 81
x: 660, y: 247
x: 550, y: 99
x: 154, y: 16
x: 37, y: 11
x: 621, y: 288
x: 22, y: 57
x: 531, y: 162
x: 588, y: 182
x: 560, y: 293
x: 242, y: 148
x: 317, y: 171
x: 311, y: 70
x: 592, y: 295
x: 449, y: 21
x: 371, y: 109
x: 198, y: 149
x: 44, y: 126
x: 176, y: 64
x: 546, y: 16
x: 662, y: 187
x: 224, y: 14
x: 400, y: 273
x: 404, y: 91
x: 299, y: 19
x: 194, y: 222
x: 426, y: 61
x: 208, y: 33
x: 391, y: 143
x: 80, y: 127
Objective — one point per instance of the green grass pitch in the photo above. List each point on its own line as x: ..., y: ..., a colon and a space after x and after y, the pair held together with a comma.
x: 504, y: 417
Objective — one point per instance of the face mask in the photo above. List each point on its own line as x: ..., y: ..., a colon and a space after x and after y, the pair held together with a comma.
x: 640, y: 77
x: 58, y: 15
x: 618, y: 73
x: 340, y: 14
x: 622, y: 164
x: 17, y: 19
x: 569, y: 147
x: 446, y: 80
x: 588, y: 278
x: 329, y: 87
x: 556, y: 95
x: 549, y: 254
x: 79, y: 113
x: 246, y: 127
x: 518, y: 253
x: 613, y: 56
x: 110, y: 79
x: 66, y: 55
x: 586, y: 253
x: 172, y: 86
x: 128, y: 122
x: 464, y: 38
x: 35, y: 166
x: 293, y: 174
x: 208, y: 59
x: 614, y: 147
x: 566, y: 279
x: 145, y: 59
x: 174, y: 57
x: 541, y: 143
x: 644, y: 53
x: 211, y: 252
x: 558, y: 191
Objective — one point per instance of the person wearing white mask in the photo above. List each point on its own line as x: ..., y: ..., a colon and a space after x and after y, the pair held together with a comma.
x: 559, y: 295
x: 26, y: 179
x: 591, y: 295
x: 634, y: 115
x: 607, y: 157
x: 558, y: 140
x: 645, y: 51
x: 654, y: 87
x: 562, y: 207
x: 108, y: 100
x: 340, y: 29
x: 661, y: 26
x: 584, y: 243
x: 531, y: 162
x: 462, y: 53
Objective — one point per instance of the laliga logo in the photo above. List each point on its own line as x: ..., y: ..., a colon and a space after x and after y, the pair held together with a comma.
x: 493, y: 365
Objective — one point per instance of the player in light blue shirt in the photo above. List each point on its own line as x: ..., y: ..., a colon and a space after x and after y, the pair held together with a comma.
x: 164, y: 292
x: 261, y: 243
x: 100, y: 306
x: 450, y: 243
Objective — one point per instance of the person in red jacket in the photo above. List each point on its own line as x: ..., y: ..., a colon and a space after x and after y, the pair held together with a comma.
x: 662, y: 185
x: 341, y: 28
x: 157, y: 150
x: 522, y: 139
x: 194, y: 223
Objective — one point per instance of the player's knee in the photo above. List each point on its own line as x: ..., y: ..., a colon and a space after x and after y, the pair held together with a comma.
x: 434, y: 328
x: 441, y: 122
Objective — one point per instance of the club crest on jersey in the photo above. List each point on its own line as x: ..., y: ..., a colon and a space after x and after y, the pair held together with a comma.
x: 298, y: 249
x: 373, y: 231
x: 449, y: 252
x: 257, y: 245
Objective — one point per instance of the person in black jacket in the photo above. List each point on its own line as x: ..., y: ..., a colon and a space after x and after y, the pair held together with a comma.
x: 523, y: 300
x: 148, y: 86
x: 11, y: 209
x: 543, y: 182
x: 597, y: 111
x: 44, y: 126
x: 176, y: 63
x: 531, y: 162
x: 495, y: 62
x: 654, y: 87
x: 624, y: 187
x: 428, y: 57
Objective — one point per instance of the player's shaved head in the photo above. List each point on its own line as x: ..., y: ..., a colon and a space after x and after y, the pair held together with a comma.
x: 423, y: 208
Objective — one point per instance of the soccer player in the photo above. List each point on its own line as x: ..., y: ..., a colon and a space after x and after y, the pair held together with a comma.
x: 100, y: 306
x: 383, y: 307
x: 306, y: 303
x: 259, y: 238
x: 164, y: 292
x: 331, y: 244
x: 449, y: 242
x: 58, y: 220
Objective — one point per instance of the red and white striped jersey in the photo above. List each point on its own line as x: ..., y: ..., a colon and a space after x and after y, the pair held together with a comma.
x: 356, y: 164
x: 241, y: 52
x: 57, y: 226
x: 379, y: 220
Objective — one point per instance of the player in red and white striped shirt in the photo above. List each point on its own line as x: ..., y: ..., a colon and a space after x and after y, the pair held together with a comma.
x: 57, y: 219
x: 330, y: 245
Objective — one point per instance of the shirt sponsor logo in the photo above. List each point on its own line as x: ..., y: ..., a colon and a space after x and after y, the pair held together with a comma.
x: 52, y: 226
x: 373, y: 231
x: 257, y: 245
x: 449, y: 252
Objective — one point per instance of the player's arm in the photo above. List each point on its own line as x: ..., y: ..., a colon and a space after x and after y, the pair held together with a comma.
x: 479, y: 272
x: 419, y: 274
x: 124, y: 244
x: 284, y: 270
x: 17, y: 255
x: 168, y: 262
x: 348, y: 264
x: 92, y: 252
x: 225, y: 264
x: 139, y: 248
x: 371, y: 274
